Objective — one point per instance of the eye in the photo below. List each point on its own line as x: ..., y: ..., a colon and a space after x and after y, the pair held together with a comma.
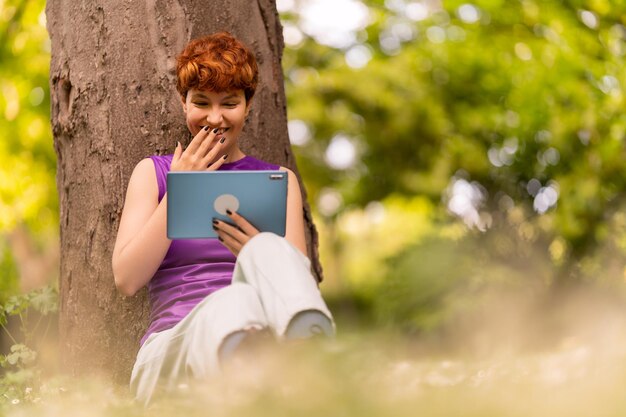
x: 231, y: 105
x: 200, y: 103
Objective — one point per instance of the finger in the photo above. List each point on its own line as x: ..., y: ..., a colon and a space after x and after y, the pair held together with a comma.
x: 194, y: 156
x: 243, y: 224
x: 217, y: 164
x: 197, y: 140
x: 177, y: 152
x: 213, y: 153
x: 230, y: 230
x: 209, y: 140
x: 232, y: 244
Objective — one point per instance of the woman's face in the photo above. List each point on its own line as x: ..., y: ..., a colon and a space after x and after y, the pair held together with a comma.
x: 225, y: 111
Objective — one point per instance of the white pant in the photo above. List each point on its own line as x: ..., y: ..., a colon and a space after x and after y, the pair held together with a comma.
x: 272, y: 282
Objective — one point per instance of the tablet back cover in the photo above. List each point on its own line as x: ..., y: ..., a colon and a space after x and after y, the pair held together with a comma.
x: 195, y: 198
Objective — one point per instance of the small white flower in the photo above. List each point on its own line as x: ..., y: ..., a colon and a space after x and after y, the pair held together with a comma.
x: 15, y: 401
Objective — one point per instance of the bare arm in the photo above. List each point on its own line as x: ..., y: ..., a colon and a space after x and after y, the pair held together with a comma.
x: 142, y: 243
x: 295, y: 213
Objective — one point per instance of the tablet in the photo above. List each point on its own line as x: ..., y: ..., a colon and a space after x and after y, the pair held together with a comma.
x: 195, y: 198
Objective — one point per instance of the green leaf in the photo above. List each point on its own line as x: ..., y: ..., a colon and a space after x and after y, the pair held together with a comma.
x: 45, y: 300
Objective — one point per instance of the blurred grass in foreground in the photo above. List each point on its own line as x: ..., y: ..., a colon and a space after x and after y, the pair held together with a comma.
x: 372, y: 374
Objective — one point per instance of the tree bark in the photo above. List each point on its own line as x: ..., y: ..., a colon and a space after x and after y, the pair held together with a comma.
x: 114, y: 102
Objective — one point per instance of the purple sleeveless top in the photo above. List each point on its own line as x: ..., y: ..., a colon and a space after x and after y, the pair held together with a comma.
x: 192, y: 268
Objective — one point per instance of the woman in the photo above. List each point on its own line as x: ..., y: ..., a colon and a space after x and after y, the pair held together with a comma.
x: 208, y: 295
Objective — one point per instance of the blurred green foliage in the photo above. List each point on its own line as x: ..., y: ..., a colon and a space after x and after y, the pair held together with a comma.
x: 8, y: 274
x: 500, y: 93
x: 531, y: 72
x: 27, y: 173
x: 28, y: 198
x: 31, y: 314
x: 508, y: 116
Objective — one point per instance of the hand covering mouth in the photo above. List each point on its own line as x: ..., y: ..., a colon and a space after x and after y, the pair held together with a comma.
x: 221, y: 130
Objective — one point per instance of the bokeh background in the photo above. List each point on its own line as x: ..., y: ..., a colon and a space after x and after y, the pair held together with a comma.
x: 464, y: 161
x: 461, y: 154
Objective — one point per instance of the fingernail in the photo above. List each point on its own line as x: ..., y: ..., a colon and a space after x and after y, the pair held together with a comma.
x: 228, y: 211
x: 206, y: 128
x: 225, y: 156
x: 220, y: 238
x: 214, y: 228
x: 214, y: 221
x: 215, y: 130
x: 178, y: 145
x: 223, y: 139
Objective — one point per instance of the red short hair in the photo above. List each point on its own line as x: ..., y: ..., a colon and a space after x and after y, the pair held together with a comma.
x: 217, y: 62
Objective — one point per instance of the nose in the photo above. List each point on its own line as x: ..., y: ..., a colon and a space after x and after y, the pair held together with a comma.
x: 214, y: 117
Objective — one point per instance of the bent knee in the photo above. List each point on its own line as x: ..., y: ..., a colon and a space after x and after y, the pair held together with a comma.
x: 266, y: 248
x: 264, y: 243
x: 265, y: 238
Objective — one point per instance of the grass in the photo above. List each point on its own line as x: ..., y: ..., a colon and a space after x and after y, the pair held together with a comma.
x: 370, y: 374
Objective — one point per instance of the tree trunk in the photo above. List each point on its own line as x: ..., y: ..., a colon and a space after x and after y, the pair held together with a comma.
x: 114, y: 102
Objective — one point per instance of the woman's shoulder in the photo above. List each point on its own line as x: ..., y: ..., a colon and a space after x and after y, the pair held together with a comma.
x: 161, y: 160
x: 142, y: 177
x: 161, y: 166
x: 144, y: 166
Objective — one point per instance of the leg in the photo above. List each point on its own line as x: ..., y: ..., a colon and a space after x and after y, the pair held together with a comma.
x: 309, y: 323
x: 242, y: 340
x: 281, y: 275
x: 190, y: 349
x: 144, y: 380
